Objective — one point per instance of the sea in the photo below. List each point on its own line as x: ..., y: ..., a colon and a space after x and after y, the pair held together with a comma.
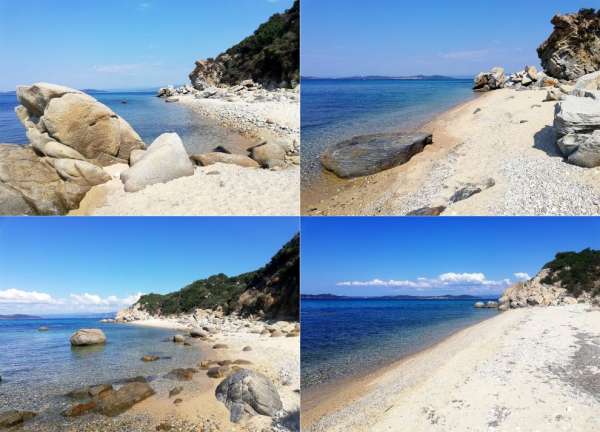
x: 39, y: 367
x: 149, y: 115
x: 337, y: 109
x: 343, y: 338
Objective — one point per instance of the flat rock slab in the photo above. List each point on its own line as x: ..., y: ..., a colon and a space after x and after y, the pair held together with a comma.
x: 369, y: 154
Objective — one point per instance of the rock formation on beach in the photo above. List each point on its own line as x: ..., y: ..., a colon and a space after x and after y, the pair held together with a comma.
x: 572, y: 277
x: 573, y: 48
x: 271, y: 56
x: 269, y: 292
x: 369, y: 154
x: 71, y: 137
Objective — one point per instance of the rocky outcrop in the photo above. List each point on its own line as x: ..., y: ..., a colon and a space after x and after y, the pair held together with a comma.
x: 369, y: 154
x: 271, y: 56
x: 534, y: 293
x: 86, y: 337
x: 166, y: 159
x: 573, y: 48
x: 493, y: 80
x: 577, y: 126
x: 248, y: 393
x: 133, y: 313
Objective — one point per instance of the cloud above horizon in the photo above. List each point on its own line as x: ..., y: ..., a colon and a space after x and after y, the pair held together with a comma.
x: 470, y: 282
x: 13, y: 299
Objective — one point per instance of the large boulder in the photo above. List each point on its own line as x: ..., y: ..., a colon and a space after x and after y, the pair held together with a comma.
x: 115, y: 402
x: 269, y: 154
x: 589, y: 82
x: 534, y: 292
x: 248, y: 393
x: 493, y: 80
x: 30, y: 185
x: 581, y: 149
x: 577, y: 115
x: 573, y: 48
x: 52, y: 113
x: 165, y: 160
x: 369, y: 154
x: 86, y: 337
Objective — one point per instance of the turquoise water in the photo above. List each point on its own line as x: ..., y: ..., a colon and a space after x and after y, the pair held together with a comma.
x: 342, y: 338
x: 39, y: 368
x: 335, y: 110
x: 148, y: 115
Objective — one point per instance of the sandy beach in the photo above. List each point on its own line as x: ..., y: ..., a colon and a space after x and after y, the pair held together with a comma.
x: 526, y: 369
x: 504, y: 135
x: 276, y: 357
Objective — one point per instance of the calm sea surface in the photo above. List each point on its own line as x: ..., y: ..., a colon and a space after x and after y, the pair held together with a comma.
x: 148, y: 115
x: 341, y: 338
x: 335, y: 110
x: 38, y: 368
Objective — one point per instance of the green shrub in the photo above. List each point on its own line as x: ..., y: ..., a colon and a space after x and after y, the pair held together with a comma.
x: 577, y: 272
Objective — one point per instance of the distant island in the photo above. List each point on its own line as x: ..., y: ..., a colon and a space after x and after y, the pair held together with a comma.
x: 18, y: 316
x: 384, y: 77
x: 398, y: 297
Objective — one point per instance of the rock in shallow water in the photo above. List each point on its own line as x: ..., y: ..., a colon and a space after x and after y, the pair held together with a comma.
x: 248, y: 392
x: 369, y: 154
x: 86, y: 337
x: 15, y: 417
x: 115, y: 402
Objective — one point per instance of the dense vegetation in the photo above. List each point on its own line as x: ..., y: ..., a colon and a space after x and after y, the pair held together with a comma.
x: 272, y: 291
x: 270, y: 56
x: 578, y: 272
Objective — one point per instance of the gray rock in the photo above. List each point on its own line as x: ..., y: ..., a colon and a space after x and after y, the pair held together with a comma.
x: 165, y: 160
x: 246, y: 392
x: 84, y: 337
x: 576, y: 115
x: 470, y: 189
x: 211, y: 158
x: 172, y: 99
x: 486, y: 81
x: 178, y: 338
x: 589, y: 82
x: 491, y: 304
x: 198, y: 333
x: 369, y: 154
x: 587, y: 149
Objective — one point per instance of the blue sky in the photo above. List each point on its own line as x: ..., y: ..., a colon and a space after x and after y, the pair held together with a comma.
x: 120, y: 43
x: 430, y: 256
x: 391, y: 37
x: 67, y: 265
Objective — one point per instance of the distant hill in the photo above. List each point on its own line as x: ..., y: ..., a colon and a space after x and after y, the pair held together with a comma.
x: 385, y: 77
x: 271, y: 291
x: 398, y: 297
x: 18, y: 317
x: 270, y: 56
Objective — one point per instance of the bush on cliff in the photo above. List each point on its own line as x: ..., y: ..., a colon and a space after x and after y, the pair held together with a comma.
x: 577, y: 272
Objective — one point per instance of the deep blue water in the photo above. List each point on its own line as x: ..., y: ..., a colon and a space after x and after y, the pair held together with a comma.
x: 335, y: 110
x: 38, y: 368
x: 148, y: 115
x: 342, y: 338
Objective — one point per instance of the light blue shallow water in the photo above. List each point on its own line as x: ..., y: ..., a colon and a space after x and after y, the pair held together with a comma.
x: 335, y: 110
x: 148, y: 115
x: 343, y: 338
x: 39, y: 368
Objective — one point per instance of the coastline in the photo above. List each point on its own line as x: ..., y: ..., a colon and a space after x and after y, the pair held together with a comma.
x: 503, y: 135
x: 362, y: 195
x: 488, y: 375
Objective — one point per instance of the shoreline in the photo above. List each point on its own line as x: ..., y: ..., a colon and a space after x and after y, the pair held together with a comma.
x: 488, y: 375
x: 345, y: 192
x: 357, y: 386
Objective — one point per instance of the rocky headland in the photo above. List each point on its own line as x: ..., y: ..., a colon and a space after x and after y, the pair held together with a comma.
x: 527, y: 145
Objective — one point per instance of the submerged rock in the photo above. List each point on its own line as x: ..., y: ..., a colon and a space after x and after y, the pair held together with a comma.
x: 85, y: 337
x: 573, y: 48
x: 369, y: 154
x: 12, y: 418
x: 246, y: 392
x: 115, y: 402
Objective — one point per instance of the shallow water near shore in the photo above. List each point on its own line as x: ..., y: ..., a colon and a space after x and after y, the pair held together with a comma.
x: 39, y: 367
x: 345, y: 338
x: 335, y: 110
x: 148, y: 115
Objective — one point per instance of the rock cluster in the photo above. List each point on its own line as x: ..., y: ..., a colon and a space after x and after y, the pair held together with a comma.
x: 486, y: 81
x: 528, y: 78
x: 71, y: 137
x: 577, y: 123
x: 573, y: 48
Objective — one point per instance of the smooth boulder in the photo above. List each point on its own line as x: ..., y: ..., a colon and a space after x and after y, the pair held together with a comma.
x: 211, y: 158
x: 581, y: 149
x: 269, y: 155
x: 369, y: 154
x: 86, y: 337
x: 246, y: 392
x: 165, y: 160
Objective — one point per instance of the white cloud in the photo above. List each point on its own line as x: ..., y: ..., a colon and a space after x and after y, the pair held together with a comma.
x: 144, y: 5
x: 87, y: 299
x: 444, y: 280
x: 522, y: 276
x: 13, y: 295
